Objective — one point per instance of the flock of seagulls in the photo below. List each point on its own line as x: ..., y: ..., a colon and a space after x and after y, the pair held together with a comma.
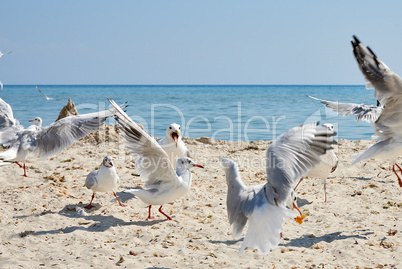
x: 164, y: 165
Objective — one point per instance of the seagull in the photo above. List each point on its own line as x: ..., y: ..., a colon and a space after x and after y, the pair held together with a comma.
x: 103, y: 180
x: 163, y: 183
x: 361, y: 111
x: 48, y: 98
x: 289, y: 158
x: 45, y: 141
x: 2, y: 54
x: 328, y: 164
x: 172, y: 144
x: 387, y: 116
x: 1, y: 85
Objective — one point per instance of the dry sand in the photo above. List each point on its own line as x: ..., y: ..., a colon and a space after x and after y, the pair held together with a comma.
x: 43, y: 224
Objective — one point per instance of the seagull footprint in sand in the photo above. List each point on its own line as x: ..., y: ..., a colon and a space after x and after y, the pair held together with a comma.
x: 163, y: 183
x: 103, y: 180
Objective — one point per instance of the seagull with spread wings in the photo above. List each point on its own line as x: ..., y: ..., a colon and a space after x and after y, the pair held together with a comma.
x: 163, y: 183
x: 387, y: 116
x: 289, y: 158
x: 45, y: 141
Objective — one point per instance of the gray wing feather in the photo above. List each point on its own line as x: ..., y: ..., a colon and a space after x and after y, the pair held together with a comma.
x: 292, y: 155
x: 91, y: 180
x: 155, y: 165
x: 9, y: 126
x: 377, y: 73
x: 361, y: 111
x: 241, y: 200
x: 65, y: 132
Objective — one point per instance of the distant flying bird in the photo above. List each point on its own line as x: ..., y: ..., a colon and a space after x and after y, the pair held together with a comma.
x: 45, y: 141
x: 1, y: 85
x: 163, y: 183
x: 2, y: 54
x: 48, y: 98
x: 103, y: 180
x: 289, y: 158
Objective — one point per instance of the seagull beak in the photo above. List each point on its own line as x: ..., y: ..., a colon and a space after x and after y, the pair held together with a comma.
x: 295, y: 207
x: 197, y: 165
x: 111, y: 164
x: 175, y: 136
x: 31, y: 120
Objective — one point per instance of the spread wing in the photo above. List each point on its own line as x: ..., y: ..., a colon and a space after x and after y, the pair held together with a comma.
x: 377, y: 74
x: 66, y: 131
x: 9, y: 126
x: 292, y: 155
x: 156, y: 167
x: 361, y: 111
x: 388, y: 90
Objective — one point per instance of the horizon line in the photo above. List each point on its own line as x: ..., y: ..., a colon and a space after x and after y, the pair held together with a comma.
x: 184, y: 85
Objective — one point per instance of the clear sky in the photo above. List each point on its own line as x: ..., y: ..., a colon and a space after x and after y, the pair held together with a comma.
x: 194, y: 41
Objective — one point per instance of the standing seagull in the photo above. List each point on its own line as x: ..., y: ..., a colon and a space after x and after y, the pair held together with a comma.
x: 328, y: 164
x: 45, y: 141
x: 103, y: 180
x: 163, y: 183
x: 172, y: 144
x: 289, y: 158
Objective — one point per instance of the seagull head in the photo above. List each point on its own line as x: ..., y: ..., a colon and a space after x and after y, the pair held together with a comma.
x: 184, y: 163
x: 107, y: 162
x: 37, y: 121
x: 329, y: 126
x: 173, y: 131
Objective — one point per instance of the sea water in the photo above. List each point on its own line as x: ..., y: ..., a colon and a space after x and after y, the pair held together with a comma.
x: 234, y: 112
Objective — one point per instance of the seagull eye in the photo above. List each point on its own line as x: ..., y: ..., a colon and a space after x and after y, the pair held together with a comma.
x: 170, y: 127
x: 179, y: 128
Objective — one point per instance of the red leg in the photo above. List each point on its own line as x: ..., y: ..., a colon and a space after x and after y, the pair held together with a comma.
x: 149, y: 212
x: 90, y: 203
x: 399, y: 179
x: 19, y: 164
x: 160, y: 210
x: 25, y: 172
x: 118, y: 200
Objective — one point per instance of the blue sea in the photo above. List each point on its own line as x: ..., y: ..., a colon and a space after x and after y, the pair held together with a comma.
x: 221, y: 112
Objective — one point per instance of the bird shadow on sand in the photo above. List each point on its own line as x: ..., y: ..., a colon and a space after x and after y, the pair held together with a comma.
x: 302, y: 202
x: 362, y: 178
x: 308, y: 240
x: 97, y: 223
x: 226, y: 242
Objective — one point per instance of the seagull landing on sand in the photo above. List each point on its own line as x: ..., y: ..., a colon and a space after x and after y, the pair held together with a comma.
x: 103, y: 180
x: 163, y: 183
x: 45, y: 141
x: 289, y: 158
x: 328, y: 164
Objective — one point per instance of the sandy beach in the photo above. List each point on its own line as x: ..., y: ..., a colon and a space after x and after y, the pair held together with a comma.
x: 44, y: 225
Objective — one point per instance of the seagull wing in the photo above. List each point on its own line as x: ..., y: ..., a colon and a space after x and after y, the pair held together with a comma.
x: 66, y: 131
x: 292, y: 155
x: 361, y: 111
x: 9, y: 126
x: 155, y: 168
x: 388, y: 90
x: 385, y: 82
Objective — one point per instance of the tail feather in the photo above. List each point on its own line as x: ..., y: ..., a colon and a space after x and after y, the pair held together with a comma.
x: 264, y: 228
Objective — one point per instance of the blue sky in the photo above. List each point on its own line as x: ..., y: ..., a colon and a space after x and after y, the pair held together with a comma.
x: 193, y: 42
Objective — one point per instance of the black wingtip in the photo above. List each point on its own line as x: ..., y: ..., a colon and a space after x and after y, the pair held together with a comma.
x: 371, y: 51
x: 356, y: 39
